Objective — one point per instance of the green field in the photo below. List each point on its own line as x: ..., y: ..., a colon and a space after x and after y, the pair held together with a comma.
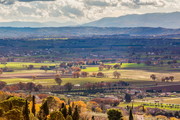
x: 152, y: 105
x: 124, y: 65
x: 20, y: 65
x: 130, y: 72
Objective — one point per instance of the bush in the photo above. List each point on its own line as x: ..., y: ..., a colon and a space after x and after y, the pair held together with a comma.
x: 56, y: 115
x: 114, y: 114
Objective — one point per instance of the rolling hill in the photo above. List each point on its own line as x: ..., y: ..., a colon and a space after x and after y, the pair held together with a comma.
x: 72, y: 32
x: 165, y: 20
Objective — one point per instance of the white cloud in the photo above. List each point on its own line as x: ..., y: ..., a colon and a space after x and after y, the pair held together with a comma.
x: 79, y: 10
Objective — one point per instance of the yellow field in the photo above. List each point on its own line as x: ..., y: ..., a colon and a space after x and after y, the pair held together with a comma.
x: 21, y: 65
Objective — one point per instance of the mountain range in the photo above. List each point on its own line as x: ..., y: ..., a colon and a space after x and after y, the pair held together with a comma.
x: 165, y: 20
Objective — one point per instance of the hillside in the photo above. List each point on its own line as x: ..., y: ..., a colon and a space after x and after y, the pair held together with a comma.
x: 166, y: 20
x: 71, y: 32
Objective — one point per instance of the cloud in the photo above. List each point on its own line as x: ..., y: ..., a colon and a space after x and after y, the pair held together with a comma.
x: 33, y: 0
x: 9, y: 2
x: 155, y: 3
x: 79, y: 10
x: 96, y: 3
x: 141, y: 3
x: 71, y: 11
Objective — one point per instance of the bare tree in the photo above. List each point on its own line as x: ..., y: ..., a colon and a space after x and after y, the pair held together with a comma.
x: 58, y: 80
x: 171, y: 78
x: 116, y: 74
x: 68, y: 86
x: 76, y: 74
x: 153, y: 77
x: 84, y: 74
x: 100, y: 74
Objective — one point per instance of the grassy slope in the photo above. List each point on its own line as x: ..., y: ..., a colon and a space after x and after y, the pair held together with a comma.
x: 19, y: 65
x: 165, y: 101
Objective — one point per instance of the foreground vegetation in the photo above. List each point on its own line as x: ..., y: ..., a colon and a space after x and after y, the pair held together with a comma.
x: 28, y: 107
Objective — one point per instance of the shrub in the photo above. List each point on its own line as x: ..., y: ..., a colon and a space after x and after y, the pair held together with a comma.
x: 114, y: 114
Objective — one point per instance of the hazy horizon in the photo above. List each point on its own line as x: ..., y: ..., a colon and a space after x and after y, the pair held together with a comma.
x: 79, y: 11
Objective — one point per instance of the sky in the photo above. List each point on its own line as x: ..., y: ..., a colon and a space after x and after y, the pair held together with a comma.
x: 79, y: 11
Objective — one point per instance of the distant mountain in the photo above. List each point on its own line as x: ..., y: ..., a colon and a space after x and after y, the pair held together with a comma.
x: 165, y: 20
x: 35, y: 24
x: 72, y: 32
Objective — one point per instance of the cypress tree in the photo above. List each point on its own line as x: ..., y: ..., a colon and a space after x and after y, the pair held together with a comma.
x: 64, y: 111
x: 62, y: 106
x: 69, y: 101
x: 26, y: 111
x: 70, y: 110
x: 45, y: 108
x: 131, y: 115
x: 33, y: 106
x: 76, y: 114
x: 44, y: 111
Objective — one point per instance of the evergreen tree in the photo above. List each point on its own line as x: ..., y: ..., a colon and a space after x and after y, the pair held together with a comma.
x: 69, y: 117
x: 45, y: 108
x: 62, y: 106
x: 64, y: 111
x: 70, y: 110
x: 33, y: 106
x: 131, y: 115
x: 69, y: 101
x: 44, y: 111
x: 76, y: 114
x: 26, y: 111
